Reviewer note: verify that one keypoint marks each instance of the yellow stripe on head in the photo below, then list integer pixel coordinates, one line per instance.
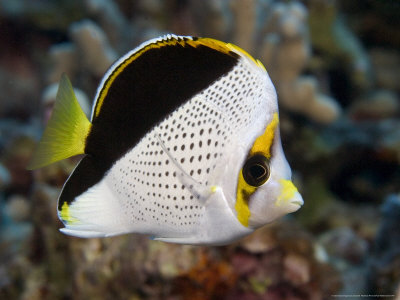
(244, 191)
(264, 142)
(262, 145)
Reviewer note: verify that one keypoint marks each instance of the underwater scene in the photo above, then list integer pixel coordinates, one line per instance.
(335, 65)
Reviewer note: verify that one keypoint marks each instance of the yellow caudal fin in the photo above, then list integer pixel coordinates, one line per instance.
(66, 130)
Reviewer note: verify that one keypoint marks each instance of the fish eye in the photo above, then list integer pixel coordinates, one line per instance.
(256, 170)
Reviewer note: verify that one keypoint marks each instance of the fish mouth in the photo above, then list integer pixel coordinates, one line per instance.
(297, 200)
(298, 203)
(289, 195)
(295, 203)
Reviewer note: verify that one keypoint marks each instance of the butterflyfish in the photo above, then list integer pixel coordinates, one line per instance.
(183, 145)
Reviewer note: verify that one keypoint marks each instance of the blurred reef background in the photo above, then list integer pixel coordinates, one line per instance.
(336, 68)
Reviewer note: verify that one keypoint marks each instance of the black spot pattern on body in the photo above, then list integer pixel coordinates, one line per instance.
(196, 136)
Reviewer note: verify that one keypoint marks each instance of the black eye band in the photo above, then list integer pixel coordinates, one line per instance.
(256, 170)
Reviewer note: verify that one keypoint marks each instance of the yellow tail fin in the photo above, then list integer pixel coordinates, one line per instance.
(66, 130)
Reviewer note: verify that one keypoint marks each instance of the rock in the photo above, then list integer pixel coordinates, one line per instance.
(380, 104)
(18, 208)
(383, 273)
(297, 269)
(19, 85)
(386, 63)
(343, 243)
(5, 177)
(15, 160)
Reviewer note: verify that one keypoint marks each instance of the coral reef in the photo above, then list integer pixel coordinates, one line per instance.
(337, 83)
(95, 54)
(385, 260)
(285, 51)
(89, 50)
(387, 68)
(332, 37)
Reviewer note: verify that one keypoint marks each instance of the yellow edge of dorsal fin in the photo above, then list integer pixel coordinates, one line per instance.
(226, 48)
(66, 131)
(168, 40)
(212, 43)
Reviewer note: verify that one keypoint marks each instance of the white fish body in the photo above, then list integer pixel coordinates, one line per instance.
(182, 181)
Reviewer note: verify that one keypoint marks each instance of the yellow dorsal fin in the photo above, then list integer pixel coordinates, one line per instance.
(66, 130)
